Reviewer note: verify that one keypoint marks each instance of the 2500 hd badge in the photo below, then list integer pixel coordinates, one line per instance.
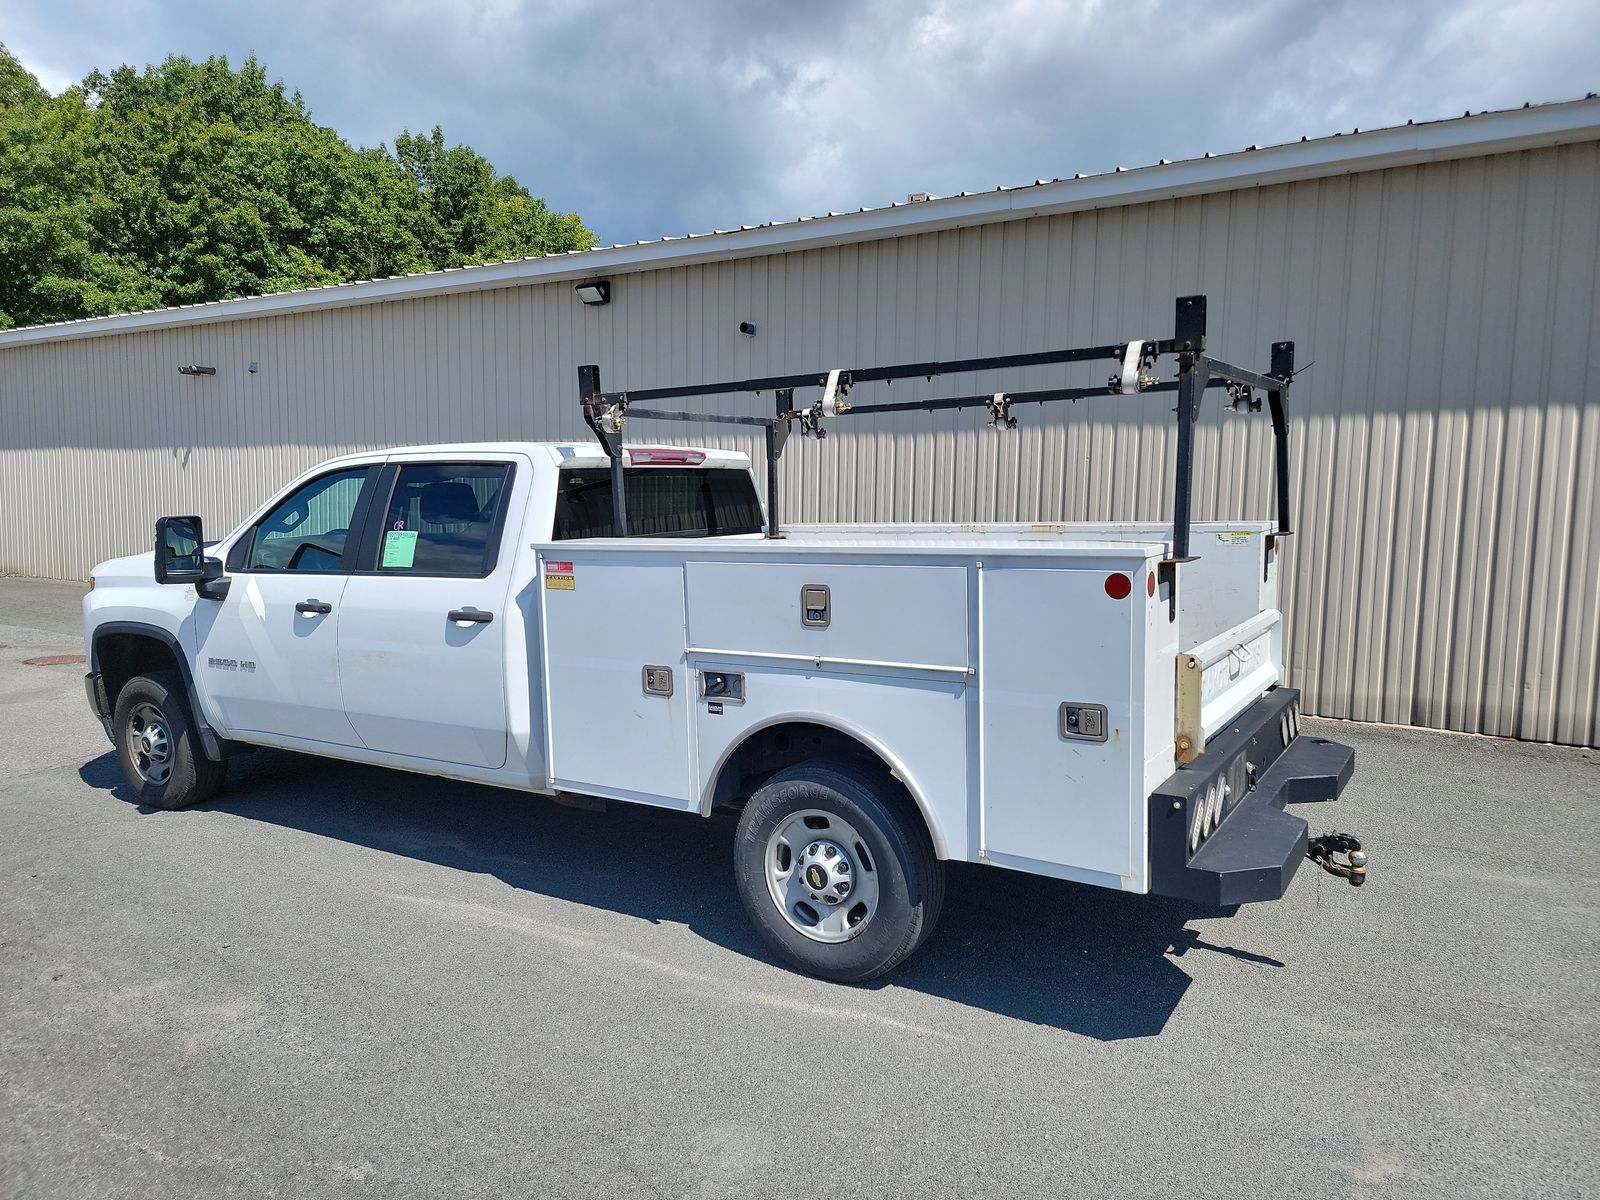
(231, 664)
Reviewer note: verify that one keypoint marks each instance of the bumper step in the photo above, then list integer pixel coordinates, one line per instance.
(1253, 856)
(1256, 849)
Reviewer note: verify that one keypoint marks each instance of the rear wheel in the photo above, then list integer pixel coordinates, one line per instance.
(836, 871)
(157, 745)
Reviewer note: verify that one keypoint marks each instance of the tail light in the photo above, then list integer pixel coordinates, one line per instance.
(662, 456)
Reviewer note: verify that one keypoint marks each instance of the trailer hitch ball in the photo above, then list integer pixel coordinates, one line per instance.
(1358, 867)
(1325, 851)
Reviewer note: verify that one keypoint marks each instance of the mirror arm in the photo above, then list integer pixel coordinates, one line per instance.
(212, 584)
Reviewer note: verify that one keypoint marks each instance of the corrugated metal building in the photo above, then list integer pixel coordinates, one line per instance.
(1442, 278)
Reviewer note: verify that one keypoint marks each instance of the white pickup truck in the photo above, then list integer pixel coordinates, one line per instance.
(875, 699)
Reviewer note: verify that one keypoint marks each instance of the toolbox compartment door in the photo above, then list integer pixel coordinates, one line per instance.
(867, 614)
(617, 696)
(1060, 801)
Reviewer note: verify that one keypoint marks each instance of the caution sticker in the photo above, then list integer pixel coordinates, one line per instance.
(1233, 537)
(559, 577)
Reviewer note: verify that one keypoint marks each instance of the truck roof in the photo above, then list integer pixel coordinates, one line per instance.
(562, 454)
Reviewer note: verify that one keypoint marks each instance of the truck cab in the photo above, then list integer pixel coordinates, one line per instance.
(332, 596)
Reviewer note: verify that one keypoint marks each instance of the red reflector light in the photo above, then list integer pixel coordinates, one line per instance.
(1150, 585)
(1118, 585)
(661, 456)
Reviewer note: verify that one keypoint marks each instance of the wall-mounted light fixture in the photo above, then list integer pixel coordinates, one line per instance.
(196, 369)
(597, 292)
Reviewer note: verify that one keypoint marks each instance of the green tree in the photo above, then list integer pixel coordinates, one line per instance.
(471, 213)
(17, 83)
(193, 181)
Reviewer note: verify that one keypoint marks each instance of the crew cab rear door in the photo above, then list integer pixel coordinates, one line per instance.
(422, 623)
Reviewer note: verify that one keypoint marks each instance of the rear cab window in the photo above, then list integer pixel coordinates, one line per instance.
(679, 502)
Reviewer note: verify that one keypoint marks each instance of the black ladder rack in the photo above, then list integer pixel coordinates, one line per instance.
(606, 413)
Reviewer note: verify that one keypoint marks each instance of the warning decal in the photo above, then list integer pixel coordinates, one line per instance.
(1233, 537)
(559, 577)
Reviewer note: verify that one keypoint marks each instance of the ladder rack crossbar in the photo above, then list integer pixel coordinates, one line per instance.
(926, 370)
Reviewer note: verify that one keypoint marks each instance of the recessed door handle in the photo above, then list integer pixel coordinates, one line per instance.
(476, 615)
(313, 606)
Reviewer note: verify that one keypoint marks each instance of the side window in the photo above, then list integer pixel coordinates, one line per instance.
(307, 531)
(443, 519)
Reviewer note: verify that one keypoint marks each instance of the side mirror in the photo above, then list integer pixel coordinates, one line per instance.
(180, 550)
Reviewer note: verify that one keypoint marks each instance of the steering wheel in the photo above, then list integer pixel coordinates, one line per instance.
(294, 559)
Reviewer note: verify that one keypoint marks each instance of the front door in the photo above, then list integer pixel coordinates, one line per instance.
(266, 655)
(422, 642)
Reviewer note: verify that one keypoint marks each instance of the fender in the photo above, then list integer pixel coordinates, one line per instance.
(215, 747)
(941, 846)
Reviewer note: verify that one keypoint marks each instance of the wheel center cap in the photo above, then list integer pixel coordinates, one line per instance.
(826, 872)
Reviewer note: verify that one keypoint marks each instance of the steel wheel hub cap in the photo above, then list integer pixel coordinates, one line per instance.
(821, 876)
(825, 870)
(150, 744)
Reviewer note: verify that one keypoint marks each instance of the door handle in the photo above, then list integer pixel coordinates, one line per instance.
(476, 615)
(313, 606)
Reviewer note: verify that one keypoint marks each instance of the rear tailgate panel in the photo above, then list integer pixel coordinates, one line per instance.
(1220, 678)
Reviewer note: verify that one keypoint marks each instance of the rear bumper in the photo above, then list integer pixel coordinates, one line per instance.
(1255, 847)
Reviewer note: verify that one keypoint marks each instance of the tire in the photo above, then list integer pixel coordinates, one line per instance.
(894, 889)
(162, 759)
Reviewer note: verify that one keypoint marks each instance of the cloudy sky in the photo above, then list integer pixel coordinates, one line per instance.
(655, 117)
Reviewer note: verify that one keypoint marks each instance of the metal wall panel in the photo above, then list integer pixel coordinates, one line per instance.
(1445, 571)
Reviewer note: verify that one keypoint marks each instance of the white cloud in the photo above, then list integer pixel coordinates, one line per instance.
(675, 117)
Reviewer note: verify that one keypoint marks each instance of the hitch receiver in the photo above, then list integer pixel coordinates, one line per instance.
(1324, 851)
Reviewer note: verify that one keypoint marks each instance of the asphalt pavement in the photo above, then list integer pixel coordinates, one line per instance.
(337, 980)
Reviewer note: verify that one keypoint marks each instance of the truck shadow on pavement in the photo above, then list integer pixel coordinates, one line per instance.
(1077, 958)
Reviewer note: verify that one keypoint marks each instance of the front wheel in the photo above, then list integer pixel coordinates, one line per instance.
(836, 871)
(160, 752)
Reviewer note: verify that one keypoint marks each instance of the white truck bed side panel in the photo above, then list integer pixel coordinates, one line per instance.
(918, 725)
(1221, 587)
(891, 667)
